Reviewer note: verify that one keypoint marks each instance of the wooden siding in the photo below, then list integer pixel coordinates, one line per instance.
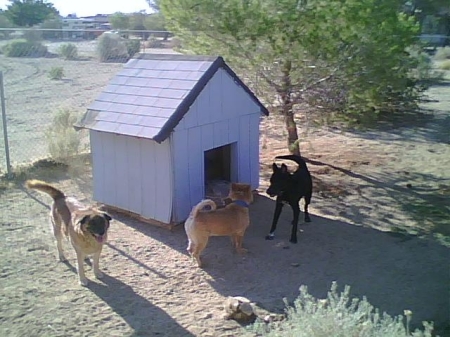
(133, 174)
(222, 114)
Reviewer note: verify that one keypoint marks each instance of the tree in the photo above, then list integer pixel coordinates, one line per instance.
(155, 5)
(119, 21)
(349, 55)
(27, 13)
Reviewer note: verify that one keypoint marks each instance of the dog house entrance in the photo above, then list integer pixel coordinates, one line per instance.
(219, 168)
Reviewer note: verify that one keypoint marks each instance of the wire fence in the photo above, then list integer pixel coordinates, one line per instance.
(46, 72)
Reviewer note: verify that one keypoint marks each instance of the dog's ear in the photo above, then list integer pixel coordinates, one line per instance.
(274, 167)
(107, 216)
(284, 168)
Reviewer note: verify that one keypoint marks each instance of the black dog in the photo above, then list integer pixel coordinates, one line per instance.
(290, 188)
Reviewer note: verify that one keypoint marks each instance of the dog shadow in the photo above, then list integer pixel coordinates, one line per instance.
(137, 311)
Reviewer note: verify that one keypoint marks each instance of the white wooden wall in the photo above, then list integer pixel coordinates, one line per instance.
(222, 114)
(132, 174)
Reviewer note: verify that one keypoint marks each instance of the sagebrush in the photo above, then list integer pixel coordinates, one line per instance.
(56, 73)
(24, 48)
(68, 51)
(111, 47)
(442, 54)
(63, 141)
(339, 316)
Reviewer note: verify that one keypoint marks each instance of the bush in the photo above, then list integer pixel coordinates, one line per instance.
(442, 54)
(63, 141)
(133, 46)
(445, 65)
(23, 48)
(111, 47)
(338, 315)
(153, 42)
(69, 51)
(56, 73)
(33, 35)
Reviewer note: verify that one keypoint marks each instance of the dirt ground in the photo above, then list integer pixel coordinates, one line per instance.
(380, 218)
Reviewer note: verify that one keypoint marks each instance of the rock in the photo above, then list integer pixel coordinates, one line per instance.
(238, 308)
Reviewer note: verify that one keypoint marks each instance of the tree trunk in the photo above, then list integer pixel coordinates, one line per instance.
(286, 108)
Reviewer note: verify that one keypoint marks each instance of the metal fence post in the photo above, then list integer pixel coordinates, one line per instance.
(5, 130)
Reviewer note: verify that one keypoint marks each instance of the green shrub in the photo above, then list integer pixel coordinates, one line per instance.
(442, 54)
(56, 73)
(133, 46)
(33, 35)
(153, 42)
(69, 51)
(337, 315)
(63, 141)
(23, 48)
(445, 65)
(111, 47)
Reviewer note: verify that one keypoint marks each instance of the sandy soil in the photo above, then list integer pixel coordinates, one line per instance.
(361, 214)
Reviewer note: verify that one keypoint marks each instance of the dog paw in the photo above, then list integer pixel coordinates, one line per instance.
(293, 240)
(83, 282)
(242, 250)
(270, 237)
(307, 219)
(98, 274)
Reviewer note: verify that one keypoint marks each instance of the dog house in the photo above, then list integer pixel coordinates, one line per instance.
(164, 126)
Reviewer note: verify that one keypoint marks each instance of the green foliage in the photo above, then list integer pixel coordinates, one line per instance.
(119, 21)
(63, 141)
(442, 54)
(69, 51)
(155, 22)
(32, 35)
(133, 46)
(27, 13)
(153, 42)
(154, 4)
(111, 47)
(341, 57)
(55, 24)
(56, 73)
(337, 315)
(23, 48)
(445, 65)
(5, 23)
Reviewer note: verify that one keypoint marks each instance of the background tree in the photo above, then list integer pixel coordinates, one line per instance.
(119, 21)
(27, 13)
(347, 57)
(155, 5)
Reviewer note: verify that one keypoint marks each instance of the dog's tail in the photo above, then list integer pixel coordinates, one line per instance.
(297, 159)
(46, 188)
(202, 204)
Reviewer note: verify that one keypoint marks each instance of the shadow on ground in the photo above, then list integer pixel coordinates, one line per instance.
(395, 272)
(137, 311)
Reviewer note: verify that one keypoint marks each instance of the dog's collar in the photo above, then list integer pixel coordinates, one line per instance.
(241, 203)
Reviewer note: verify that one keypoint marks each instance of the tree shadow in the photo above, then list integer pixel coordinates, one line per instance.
(422, 196)
(395, 272)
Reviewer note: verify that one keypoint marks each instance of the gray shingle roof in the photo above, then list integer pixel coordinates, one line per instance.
(151, 94)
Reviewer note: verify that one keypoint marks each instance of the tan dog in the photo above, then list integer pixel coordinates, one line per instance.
(232, 220)
(85, 227)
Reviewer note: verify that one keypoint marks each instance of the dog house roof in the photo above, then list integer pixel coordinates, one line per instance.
(152, 93)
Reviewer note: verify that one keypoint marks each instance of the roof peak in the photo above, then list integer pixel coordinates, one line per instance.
(174, 57)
